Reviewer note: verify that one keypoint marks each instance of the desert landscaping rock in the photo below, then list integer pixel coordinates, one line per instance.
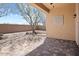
(18, 44)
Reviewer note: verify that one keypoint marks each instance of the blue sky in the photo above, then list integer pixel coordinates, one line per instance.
(13, 16)
(13, 19)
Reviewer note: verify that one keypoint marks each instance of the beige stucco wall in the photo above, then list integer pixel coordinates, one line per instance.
(77, 12)
(77, 24)
(67, 30)
(7, 28)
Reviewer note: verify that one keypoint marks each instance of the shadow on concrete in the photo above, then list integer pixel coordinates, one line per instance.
(56, 47)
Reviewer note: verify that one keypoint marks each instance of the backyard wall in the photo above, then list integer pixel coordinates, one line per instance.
(8, 28)
(65, 31)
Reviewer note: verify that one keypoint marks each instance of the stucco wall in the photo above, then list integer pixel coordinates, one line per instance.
(77, 24)
(6, 28)
(67, 30)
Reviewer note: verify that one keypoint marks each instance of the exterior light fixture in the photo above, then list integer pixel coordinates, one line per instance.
(52, 4)
(75, 15)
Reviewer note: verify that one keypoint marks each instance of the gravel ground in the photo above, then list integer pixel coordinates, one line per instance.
(20, 44)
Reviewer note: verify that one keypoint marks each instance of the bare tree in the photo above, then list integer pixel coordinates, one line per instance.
(3, 12)
(31, 15)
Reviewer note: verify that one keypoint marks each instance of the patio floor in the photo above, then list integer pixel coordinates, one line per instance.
(56, 47)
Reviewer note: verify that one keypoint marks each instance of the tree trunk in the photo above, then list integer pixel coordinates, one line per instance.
(33, 30)
(1, 36)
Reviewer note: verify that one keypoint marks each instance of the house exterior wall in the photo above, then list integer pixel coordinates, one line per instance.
(67, 30)
(77, 24)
